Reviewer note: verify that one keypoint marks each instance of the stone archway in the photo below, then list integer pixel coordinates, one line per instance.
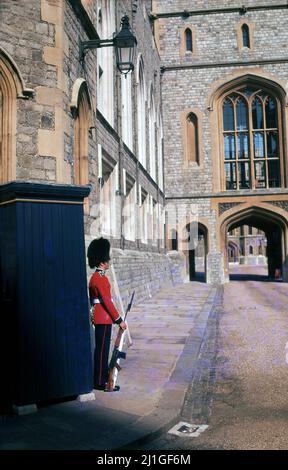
(233, 252)
(275, 227)
(196, 251)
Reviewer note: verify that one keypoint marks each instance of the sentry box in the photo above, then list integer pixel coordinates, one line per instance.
(45, 350)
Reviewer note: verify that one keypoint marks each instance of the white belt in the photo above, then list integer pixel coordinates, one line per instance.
(98, 301)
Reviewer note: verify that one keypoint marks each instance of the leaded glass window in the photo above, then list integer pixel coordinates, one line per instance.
(251, 140)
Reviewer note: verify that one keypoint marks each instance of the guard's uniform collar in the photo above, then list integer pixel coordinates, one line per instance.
(100, 271)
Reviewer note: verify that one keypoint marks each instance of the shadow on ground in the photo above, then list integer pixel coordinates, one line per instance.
(252, 277)
(199, 277)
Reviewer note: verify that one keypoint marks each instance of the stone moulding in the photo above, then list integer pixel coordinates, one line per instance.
(79, 87)
(153, 15)
(15, 75)
(225, 206)
(281, 204)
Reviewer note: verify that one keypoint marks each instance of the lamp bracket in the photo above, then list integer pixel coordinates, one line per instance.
(94, 44)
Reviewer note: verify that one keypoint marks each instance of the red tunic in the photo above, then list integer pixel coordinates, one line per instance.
(105, 312)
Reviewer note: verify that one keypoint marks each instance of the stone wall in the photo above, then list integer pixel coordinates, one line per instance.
(46, 51)
(146, 273)
(26, 46)
(189, 81)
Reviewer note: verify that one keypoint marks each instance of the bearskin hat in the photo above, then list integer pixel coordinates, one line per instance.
(98, 252)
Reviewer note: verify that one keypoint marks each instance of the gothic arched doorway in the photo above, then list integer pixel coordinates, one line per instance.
(272, 224)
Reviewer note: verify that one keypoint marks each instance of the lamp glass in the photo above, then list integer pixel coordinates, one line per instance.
(125, 43)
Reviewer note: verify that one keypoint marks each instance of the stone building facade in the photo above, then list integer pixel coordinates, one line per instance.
(76, 120)
(165, 173)
(224, 91)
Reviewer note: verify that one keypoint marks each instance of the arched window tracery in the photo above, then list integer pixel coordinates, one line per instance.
(251, 139)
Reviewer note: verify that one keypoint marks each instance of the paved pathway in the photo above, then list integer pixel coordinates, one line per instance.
(244, 376)
(159, 331)
(167, 332)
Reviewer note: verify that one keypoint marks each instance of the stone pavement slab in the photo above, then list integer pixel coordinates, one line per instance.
(154, 380)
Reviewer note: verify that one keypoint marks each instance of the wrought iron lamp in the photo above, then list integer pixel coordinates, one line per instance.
(124, 42)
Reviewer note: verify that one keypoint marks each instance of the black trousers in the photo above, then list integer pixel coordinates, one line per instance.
(101, 354)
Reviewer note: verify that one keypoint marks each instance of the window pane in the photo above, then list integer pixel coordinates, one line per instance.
(273, 174)
(242, 142)
(244, 175)
(245, 35)
(259, 145)
(241, 115)
(192, 138)
(271, 113)
(260, 175)
(257, 114)
(230, 172)
(237, 124)
(229, 147)
(228, 116)
(272, 145)
(188, 36)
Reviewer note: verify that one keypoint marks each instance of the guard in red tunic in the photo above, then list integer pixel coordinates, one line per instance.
(104, 311)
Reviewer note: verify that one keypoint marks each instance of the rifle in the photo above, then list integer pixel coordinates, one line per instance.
(114, 366)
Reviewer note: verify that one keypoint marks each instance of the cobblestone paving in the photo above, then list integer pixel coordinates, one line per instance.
(240, 389)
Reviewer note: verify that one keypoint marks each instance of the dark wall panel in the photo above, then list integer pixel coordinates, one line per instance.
(8, 304)
(45, 331)
(54, 322)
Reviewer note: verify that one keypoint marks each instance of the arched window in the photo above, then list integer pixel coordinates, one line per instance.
(105, 76)
(81, 142)
(126, 114)
(81, 110)
(245, 35)
(188, 40)
(9, 90)
(192, 138)
(152, 146)
(12, 87)
(251, 139)
(250, 250)
(141, 113)
(160, 150)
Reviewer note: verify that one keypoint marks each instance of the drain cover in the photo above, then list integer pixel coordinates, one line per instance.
(183, 429)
